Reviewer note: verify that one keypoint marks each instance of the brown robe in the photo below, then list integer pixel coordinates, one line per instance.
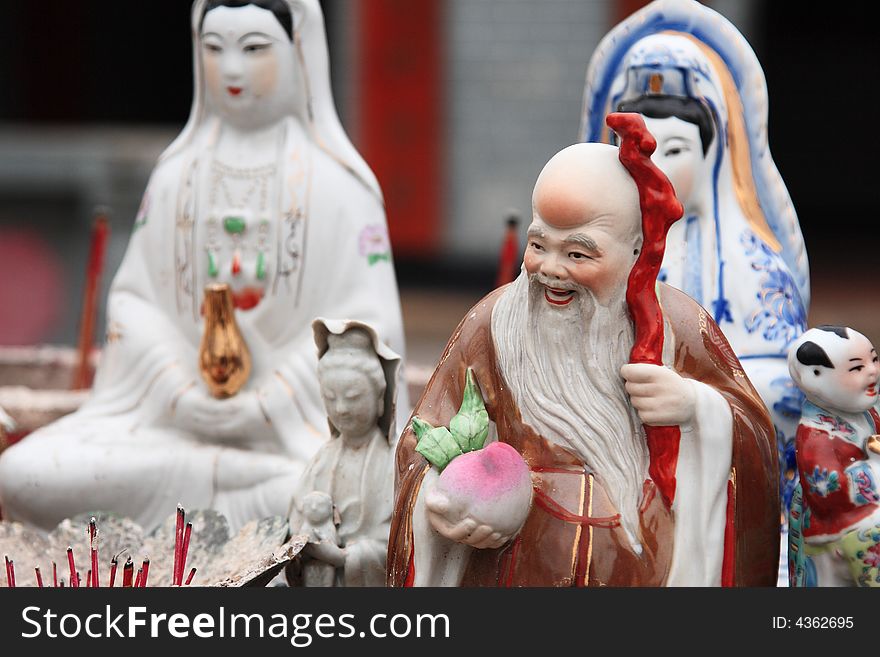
(565, 541)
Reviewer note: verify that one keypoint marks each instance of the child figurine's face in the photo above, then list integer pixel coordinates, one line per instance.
(850, 384)
(854, 379)
(351, 400)
(317, 507)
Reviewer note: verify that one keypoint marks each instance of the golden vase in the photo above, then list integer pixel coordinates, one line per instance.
(224, 359)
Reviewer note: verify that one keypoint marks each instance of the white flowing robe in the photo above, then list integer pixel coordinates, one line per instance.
(122, 451)
(365, 523)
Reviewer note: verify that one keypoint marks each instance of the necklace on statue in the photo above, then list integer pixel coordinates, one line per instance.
(244, 194)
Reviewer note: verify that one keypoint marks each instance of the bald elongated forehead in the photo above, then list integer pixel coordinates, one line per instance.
(582, 182)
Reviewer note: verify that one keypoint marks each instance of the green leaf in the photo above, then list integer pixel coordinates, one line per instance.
(470, 426)
(438, 446)
(467, 431)
(420, 427)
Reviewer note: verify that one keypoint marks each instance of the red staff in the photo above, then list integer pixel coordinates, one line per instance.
(660, 209)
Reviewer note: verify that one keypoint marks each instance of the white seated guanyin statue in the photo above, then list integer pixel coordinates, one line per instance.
(262, 191)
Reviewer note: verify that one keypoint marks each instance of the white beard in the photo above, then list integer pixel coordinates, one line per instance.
(562, 365)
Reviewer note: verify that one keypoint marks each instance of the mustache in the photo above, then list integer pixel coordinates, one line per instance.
(539, 278)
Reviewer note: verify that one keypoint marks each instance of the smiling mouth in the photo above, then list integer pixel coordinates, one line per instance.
(557, 296)
(872, 390)
(233, 91)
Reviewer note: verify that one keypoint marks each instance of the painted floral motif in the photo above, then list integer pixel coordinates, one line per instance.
(374, 244)
(801, 569)
(143, 212)
(789, 400)
(837, 424)
(872, 556)
(864, 545)
(781, 315)
(796, 553)
(862, 489)
(788, 473)
(822, 482)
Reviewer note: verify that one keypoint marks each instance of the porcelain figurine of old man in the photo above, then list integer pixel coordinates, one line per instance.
(261, 191)
(835, 515)
(549, 354)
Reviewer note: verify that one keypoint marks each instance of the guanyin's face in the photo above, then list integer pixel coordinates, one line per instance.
(353, 404)
(248, 65)
(679, 155)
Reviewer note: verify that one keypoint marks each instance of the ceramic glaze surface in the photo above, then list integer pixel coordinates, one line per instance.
(263, 192)
(738, 250)
(835, 518)
(343, 500)
(549, 355)
(496, 479)
(319, 525)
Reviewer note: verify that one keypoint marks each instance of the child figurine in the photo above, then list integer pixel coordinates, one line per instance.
(835, 539)
(320, 528)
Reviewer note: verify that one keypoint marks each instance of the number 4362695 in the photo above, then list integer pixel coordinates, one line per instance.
(824, 622)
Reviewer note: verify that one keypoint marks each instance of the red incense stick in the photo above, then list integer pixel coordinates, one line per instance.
(192, 574)
(10, 573)
(146, 570)
(113, 564)
(39, 577)
(509, 257)
(185, 551)
(74, 578)
(100, 232)
(95, 578)
(177, 573)
(127, 573)
(93, 533)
